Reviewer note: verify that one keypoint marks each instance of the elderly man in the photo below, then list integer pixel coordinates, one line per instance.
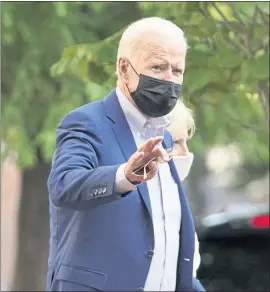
(113, 227)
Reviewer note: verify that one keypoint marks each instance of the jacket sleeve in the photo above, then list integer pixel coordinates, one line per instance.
(76, 181)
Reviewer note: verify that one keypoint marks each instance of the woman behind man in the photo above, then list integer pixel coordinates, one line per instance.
(182, 128)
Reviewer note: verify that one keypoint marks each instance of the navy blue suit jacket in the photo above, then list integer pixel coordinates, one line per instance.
(99, 239)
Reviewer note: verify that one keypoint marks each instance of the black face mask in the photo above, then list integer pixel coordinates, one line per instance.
(155, 97)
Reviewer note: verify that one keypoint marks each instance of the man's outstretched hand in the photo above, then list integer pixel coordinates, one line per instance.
(148, 151)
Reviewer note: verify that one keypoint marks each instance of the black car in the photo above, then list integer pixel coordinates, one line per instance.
(232, 222)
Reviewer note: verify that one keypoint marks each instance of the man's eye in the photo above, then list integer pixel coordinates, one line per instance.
(178, 71)
(157, 67)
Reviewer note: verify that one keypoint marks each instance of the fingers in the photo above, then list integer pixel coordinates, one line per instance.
(133, 160)
(161, 152)
(145, 174)
(153, 169)
(149, 145)
(145, 165)
(144, 156)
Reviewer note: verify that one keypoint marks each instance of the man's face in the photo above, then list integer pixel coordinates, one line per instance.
(161, 57)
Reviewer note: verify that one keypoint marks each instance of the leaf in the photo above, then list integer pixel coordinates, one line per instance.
(95, 91)
(260, 67)
(246, 73)
(264, 6)
(60, 67)
(78, 42)
(99, 6)
(7, 20)
(70, 51)
(46, 140)
(256, 69)
(196, 19)
(79, 67)
(224, 9)
(246, 10)
(106, 54)
(198, 78)
(197, 57)
(26, 156)
(228, 59)
(61, 8)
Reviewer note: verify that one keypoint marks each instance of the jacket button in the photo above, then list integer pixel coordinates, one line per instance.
(150, 253)
(140, 289)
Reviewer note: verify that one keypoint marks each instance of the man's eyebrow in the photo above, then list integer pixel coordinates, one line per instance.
(158, 61)
(164, 61)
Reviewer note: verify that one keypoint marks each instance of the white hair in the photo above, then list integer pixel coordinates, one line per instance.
(181, 115)
(130, 40)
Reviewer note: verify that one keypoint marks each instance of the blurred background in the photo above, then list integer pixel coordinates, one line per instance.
(59, 55)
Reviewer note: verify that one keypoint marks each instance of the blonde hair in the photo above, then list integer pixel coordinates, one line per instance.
(130, 41)
(181, 115)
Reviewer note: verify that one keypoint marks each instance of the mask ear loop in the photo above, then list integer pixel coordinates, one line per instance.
(134, 71)
(133, 68)
(159, 160)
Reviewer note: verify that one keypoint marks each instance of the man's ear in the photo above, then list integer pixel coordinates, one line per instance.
(123, 69)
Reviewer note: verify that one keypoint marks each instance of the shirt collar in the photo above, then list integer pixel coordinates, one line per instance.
(136, 118)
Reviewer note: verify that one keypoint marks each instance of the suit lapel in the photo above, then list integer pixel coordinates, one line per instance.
(124, 137)
(187, 224)
(187, 236)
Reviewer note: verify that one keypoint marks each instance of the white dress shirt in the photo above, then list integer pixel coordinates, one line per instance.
(164, 199)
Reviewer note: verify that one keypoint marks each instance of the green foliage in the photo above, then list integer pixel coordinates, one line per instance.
(34, 34)
(226, 81)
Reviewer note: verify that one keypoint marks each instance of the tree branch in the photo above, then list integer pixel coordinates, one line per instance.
(230, 28)
(206, 14)
(227, 24)
(236, 14)
(233, 43)
(263, 46)
(264, 19)
(210, 45)
(204, 11)
(253, 22)
(264, 103)
(232, 118)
